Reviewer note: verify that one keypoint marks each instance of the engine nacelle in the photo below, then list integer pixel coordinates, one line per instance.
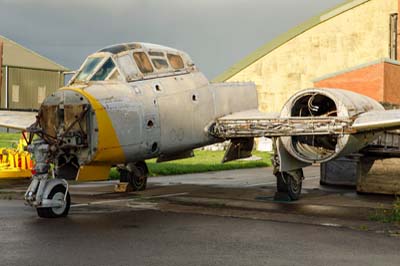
(327, 103)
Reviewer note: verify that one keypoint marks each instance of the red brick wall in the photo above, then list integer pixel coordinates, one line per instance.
(368, 81)
(392, 84)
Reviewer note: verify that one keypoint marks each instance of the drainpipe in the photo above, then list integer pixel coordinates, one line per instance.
(6, 90)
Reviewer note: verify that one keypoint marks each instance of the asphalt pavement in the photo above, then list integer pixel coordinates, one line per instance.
(104, 236)
(216, 218)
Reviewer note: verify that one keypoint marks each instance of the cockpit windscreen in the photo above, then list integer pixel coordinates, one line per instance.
(105, 70)
(88, 68)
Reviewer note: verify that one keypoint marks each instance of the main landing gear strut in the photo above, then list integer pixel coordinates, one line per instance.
(288, 183)
(135, 174)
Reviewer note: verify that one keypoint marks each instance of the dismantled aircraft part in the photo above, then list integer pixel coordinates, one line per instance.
(377, 120)
(239, 149)
(64, 122)
(253, 123)
(56, 204)
(17, 120)
(315, 125)
(286, 161)
(327, 103)
(171, 157)
(135, 174)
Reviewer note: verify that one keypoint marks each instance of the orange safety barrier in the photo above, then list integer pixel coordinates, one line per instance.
(15, 163)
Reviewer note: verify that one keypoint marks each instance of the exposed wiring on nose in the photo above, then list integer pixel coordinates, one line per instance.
(312, 107)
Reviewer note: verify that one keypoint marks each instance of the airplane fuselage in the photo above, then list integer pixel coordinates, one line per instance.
(163, 115)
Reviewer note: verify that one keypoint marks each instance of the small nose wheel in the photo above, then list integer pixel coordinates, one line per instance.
(56, 194)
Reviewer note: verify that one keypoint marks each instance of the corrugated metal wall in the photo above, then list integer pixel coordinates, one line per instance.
(29, 87)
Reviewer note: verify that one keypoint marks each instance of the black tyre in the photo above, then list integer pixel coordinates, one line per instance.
(58, 192)
(294, 188)
(281, 185)
(286, 183)
(137, 178)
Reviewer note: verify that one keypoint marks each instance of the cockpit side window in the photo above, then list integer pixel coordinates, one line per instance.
(88, 68)
(160, 63)
(175, 61)
(105, 70)
(156, 53)
(143, 62)
(128, 66)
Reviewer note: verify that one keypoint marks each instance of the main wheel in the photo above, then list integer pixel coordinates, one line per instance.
(286, 183)
(57, 193)
(137, 178)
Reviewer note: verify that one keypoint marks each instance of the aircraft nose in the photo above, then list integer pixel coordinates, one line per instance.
(63, 111)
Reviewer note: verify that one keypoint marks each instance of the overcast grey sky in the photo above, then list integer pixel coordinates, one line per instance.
(216, 33)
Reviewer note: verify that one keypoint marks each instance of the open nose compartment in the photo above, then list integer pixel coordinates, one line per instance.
(314, 148)
(64, 122)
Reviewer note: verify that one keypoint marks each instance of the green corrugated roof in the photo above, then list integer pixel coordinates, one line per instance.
(16, 55)
(284, 38)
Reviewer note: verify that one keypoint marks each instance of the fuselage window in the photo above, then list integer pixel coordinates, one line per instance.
(143, 62)
(88, 68)
(128, 66)
(160, 63)
(105, 70)
(175, 61)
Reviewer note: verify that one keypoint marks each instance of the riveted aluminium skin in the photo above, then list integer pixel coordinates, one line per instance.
(163, 114)
(178, 121)
(108, 148)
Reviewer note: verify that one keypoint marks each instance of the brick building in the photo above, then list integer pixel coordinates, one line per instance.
(353, 46)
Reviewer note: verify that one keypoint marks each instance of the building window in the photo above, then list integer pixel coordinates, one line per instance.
(393, 36)
(15, 94)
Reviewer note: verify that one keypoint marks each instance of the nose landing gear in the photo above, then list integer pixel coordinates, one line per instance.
(60, 201)
(49, 195)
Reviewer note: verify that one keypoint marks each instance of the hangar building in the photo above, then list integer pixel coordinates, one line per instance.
(27, 77)
(352, 46)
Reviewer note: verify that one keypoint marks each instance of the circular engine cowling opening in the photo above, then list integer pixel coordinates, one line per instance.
(320, 103)
(314, 148)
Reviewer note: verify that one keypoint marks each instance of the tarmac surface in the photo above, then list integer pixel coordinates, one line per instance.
(216, 218)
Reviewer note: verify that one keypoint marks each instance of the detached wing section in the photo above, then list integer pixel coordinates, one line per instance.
(377, 121)
(17, 120)
(254, 123)
(257, 124)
